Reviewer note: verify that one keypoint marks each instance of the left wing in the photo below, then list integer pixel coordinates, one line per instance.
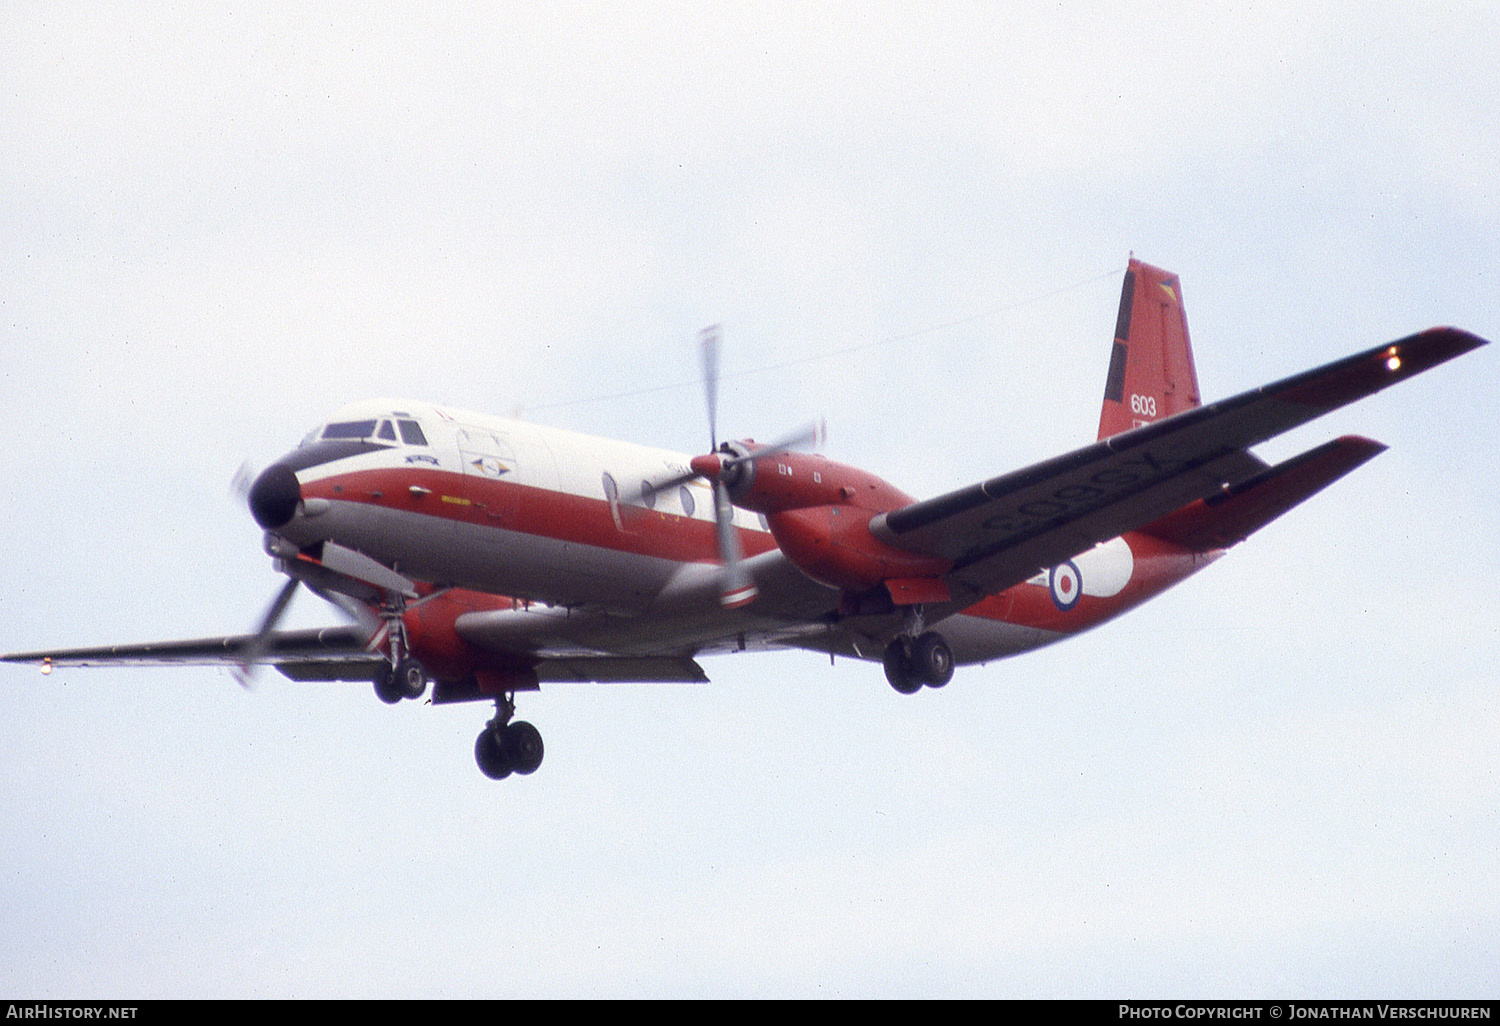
(1002, 531)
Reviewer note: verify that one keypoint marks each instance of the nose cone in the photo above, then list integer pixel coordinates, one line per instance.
(274, 496)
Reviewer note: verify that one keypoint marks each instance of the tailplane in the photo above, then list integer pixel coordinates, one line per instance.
(1151, 374)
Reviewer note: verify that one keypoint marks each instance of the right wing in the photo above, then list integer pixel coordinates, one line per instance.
(331, 645)
(342, 654)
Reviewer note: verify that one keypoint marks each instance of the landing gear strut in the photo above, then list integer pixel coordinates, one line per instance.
(913, 662)
(404, 676)
(505, 746)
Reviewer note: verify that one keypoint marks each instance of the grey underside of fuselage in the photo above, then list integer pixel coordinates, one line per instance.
(589, 599)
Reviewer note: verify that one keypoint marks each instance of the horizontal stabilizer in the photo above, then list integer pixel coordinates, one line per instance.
(1225, 520)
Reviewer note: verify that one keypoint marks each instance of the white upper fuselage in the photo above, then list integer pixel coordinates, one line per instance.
(515, 499)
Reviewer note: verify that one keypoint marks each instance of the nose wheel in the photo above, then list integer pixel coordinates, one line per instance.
(407, 679)
(507, 746)
(911, 663)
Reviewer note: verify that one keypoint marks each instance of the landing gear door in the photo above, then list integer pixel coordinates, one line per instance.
(490, 470)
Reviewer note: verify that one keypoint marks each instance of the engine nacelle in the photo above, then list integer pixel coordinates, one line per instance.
(430, 632)
(799, 480)
(819, 512)
(833, 545)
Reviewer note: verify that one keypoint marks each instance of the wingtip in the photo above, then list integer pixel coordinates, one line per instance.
(1360, 444)
(1446, 341)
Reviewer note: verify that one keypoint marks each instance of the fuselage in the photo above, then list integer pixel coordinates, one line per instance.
(560, 523)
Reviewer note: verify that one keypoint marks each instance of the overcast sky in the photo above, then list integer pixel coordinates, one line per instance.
(218, 224)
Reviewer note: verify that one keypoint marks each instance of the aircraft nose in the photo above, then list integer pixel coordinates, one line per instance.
(274, 496)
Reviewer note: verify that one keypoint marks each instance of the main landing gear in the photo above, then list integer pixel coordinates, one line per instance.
(505, 746)
(502, 748)
(913, 662)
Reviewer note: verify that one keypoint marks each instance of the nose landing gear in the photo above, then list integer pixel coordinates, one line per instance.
(407, 679)
(404, 676)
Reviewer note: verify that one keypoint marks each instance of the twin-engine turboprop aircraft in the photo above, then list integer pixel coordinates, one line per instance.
(488, 557)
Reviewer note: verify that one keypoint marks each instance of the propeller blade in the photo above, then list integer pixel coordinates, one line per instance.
(737, 587)
(367, 619)
(239, 485)
(708, 347)
(708, 352)
(251, 654)
(636, 496)
(809, 436)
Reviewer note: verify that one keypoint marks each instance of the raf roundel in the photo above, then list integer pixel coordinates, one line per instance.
(1066, 584)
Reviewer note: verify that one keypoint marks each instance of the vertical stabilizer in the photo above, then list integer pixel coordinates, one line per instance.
(1151, 373)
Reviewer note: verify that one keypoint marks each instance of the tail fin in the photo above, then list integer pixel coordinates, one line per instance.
(1151, 373)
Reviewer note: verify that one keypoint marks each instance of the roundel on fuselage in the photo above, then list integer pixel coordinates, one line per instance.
(1066, 585)
(1100, 572)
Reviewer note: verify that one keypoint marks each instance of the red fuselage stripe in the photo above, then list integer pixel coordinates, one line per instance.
(472, 499)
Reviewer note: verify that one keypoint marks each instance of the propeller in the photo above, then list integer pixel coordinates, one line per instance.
(250, 489)
(722, 467)
(260, 643)
(708, 353)
(240, 484)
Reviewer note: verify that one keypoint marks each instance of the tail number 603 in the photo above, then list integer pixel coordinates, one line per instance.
(1145, 405)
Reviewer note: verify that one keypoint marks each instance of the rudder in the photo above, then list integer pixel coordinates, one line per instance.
(1151, 373)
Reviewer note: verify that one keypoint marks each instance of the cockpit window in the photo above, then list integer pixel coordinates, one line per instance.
(385, 430)
(350, 429)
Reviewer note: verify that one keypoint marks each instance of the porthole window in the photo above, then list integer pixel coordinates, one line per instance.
(648, 495)
(685, 495)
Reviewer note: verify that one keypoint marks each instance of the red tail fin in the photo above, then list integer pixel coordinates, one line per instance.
(1151, 373)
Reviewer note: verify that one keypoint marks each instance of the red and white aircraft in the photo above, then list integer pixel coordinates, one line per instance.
(490, 556)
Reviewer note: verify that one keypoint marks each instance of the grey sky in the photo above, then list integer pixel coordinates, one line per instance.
(218, 225)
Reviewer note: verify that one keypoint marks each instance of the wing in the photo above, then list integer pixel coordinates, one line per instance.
(345, 644)
(342, 654)
(1002, 531)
